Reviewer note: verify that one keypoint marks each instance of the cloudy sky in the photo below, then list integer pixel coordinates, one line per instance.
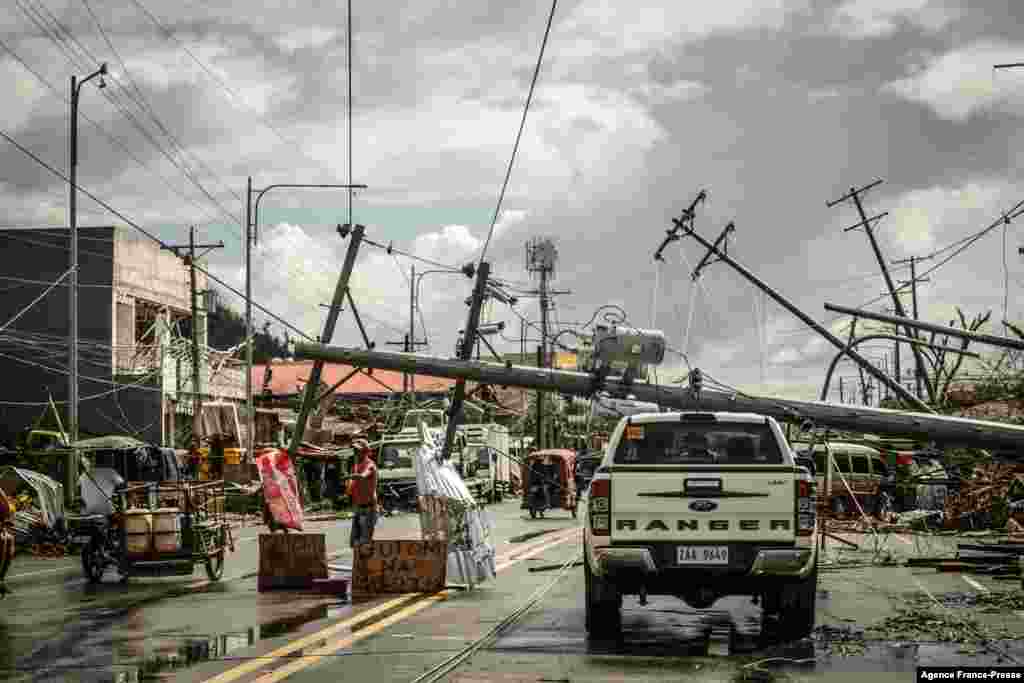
(773, 106)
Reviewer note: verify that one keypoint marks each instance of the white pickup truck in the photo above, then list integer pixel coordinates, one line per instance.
(700, 506)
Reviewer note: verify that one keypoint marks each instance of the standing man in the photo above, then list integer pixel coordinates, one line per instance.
(364, 495)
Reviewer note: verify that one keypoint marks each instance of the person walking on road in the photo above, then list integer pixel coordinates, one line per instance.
(364, 495)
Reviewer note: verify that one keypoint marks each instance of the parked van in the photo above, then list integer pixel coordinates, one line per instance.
(867, 471)
(863, 467)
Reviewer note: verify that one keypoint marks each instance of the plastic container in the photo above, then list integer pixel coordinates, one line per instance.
(167, 530)
(232, 456)
(138, 527)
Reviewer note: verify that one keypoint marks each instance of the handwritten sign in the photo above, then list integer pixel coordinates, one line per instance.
(399, 567)
(291, 560)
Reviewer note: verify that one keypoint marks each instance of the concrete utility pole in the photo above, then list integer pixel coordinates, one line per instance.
(197, 389)
(483, 271)
(948, 431)
(865, 223)
(310, 396)
(903, 394)
(992, 339)
(405, 348)
(71, 477)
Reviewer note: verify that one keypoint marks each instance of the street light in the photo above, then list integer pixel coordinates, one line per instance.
(72, 468)
(252, 222)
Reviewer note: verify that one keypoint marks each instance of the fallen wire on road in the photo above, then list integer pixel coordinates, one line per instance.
(442, 670)
(552, 567)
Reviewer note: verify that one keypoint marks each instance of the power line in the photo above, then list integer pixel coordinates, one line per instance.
(519, 135)
(64, 45)
(233, 97)
(108, 207)
(112, 138)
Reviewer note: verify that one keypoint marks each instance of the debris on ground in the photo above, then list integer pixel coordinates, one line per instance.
(984, 500)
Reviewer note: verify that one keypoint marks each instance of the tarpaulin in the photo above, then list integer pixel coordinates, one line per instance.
(471, 554)
(280, 487)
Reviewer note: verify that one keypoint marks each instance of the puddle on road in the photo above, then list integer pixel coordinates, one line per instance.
(740, 642)
(87, 649)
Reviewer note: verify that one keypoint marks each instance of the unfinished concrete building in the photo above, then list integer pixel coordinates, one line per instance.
(135, 361)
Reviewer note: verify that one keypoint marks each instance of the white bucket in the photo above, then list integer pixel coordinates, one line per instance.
(138, 526)
(167, 530)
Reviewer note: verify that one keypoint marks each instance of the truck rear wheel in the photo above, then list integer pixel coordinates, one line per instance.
(795, 603)
(604, 606)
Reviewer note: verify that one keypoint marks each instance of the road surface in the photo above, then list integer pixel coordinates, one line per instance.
(55, 627)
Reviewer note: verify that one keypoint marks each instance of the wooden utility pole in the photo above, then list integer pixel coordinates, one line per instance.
(190, 261)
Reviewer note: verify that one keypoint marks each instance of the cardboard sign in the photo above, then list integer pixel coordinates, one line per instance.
(291, 561)
(399, 567)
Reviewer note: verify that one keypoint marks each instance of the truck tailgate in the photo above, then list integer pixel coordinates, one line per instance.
(692, 503)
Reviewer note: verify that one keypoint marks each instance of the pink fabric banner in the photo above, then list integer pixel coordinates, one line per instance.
(280, 487)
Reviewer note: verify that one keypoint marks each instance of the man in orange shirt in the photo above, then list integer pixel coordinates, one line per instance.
(364, 495)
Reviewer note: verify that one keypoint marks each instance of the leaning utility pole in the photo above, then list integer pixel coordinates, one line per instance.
(903, 394)
(465, 354)
(341, 291)
(865, 223)
(197, 390)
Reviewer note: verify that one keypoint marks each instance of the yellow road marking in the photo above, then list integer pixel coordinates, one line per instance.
(330, 648)
(243, 669)
(406, 612)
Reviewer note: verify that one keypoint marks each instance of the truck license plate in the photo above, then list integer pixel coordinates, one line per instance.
(702, 554)
(81, 540)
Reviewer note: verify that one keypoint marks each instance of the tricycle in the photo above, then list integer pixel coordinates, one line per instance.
(548, 481)
(158, 528)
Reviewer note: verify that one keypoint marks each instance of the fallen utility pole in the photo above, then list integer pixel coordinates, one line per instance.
(190, 261)
(466, 353)
(309, 398)
(905, 395)
(981, 338)
(865, 223)
(948, 431)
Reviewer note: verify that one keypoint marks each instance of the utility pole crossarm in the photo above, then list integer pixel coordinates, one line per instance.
(724, 235)
(673, 233)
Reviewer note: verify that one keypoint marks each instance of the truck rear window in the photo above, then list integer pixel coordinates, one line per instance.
(670, 443)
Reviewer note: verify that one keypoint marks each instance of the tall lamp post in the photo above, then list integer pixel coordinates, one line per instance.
(252, 221)
(72, 465)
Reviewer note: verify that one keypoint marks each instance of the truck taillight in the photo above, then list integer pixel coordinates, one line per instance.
(600, 506)
(806, 512)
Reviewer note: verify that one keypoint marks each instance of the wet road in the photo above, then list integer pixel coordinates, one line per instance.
(55, 627)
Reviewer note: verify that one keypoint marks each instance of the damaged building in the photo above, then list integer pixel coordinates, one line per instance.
(135, 361)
